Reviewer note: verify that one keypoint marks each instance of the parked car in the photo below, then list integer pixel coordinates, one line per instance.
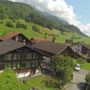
(77, 67)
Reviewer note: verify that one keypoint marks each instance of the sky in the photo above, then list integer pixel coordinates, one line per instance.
(82, 9)
(76, 12)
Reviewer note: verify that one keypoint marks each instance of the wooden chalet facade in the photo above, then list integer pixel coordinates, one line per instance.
(18, 56)
(81, 49)
(24, 56)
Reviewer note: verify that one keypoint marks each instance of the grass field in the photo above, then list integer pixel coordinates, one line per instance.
(45, 32)
(85, 66)
(39, 82)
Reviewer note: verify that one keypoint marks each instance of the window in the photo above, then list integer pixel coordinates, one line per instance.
(23, 56)
(28, 56)
(33, 64)
(17, 38)
(78, 49)
(23, 65)
(20, 38)
(19, 56)
(15, 56)
(34, 55)
(37, 55)
(28, 64)
(7, 57)
(2, 57)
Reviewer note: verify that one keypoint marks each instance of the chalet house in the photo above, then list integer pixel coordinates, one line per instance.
(22, 58)
(15, 36)
(80, 49)
(88, 51)
(50, 49)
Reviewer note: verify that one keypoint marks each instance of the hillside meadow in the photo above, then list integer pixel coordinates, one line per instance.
(43, 32)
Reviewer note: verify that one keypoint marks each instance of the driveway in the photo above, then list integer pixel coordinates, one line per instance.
(78, 81)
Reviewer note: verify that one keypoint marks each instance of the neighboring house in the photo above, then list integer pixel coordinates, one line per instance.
(49, 49)
(80, 49)
(22, 58)
(15, 36)
(88, 50)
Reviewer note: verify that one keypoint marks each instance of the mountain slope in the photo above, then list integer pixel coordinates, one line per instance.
(14, 10)
(22, 18)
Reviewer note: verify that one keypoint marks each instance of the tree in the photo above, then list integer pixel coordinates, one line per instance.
(8, 81)
(88, 81)
(87, 78)
(63, 67)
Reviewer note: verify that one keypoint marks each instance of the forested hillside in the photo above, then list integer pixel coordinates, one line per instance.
(14, 10)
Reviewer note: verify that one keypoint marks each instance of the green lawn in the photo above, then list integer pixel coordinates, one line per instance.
(85, 66)
(39, 82)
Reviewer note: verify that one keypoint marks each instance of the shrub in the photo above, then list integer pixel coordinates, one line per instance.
(36, 28)
(88, 78)
(21, 25)
(9, 24)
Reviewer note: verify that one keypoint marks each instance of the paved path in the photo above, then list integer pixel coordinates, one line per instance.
(78, 80)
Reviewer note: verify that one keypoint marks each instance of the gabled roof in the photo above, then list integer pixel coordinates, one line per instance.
(9, 35)
(50, 47)
(9, 45)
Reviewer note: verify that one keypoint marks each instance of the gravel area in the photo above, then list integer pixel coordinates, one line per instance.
(78, 80)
